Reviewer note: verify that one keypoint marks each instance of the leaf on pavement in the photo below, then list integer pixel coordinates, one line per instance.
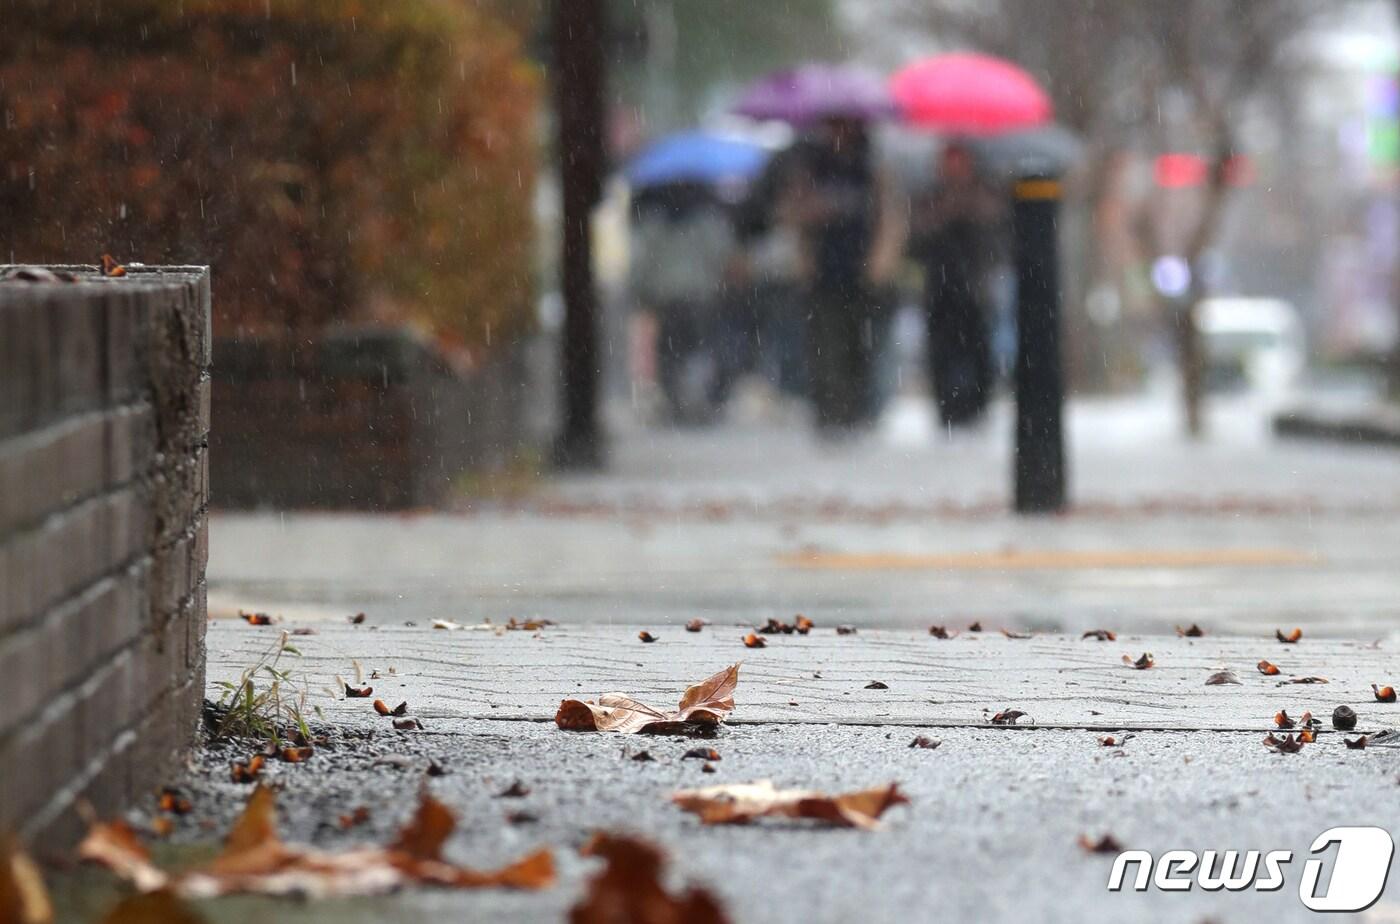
(1289, 639)
(940, 632)
(1282, 720)
(844, 630)
(1383, 694)
(704, 703)
(1344, 718)
(1222, 677)
(646, 636)
(753, 640)
(1009, 634)
(695, 625)
(1302, 680)
(1106, 844)
(1100, 635)
(358, 692)
(383, 709)
(629, 890)
(1007, 717)
(802, 624)
(1141, 664)
(1191, 631)
(737, 803)
(1267, 669)
(776, 627)
(23, 897)
(255, 860)
(1287, 744)
(1356, 744)
(925, 742)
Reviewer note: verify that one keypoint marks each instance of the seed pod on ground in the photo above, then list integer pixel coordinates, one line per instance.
(1343, 718)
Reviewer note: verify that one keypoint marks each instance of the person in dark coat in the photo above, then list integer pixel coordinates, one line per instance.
(954, 238)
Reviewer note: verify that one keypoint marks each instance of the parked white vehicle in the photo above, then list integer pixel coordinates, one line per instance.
(1257, 343)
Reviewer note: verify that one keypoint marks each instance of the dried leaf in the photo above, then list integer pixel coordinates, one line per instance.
(1141, 664)
(1288, 744)
(1302, 680)
(408, 724)
(174, 802)
(1306, 736)
(1383, 694)
(354, 819)
(704, 703)
(256, 861)
(1267, 669)
(1109, 741)
(845, 630)
(975, 627)
(1105, 844)
(707, 768)
(630, 890)
(1009, 634)
(755, 641)
(358, 693)
(737, 803)
(643, 757)
(802, 624)
(1356, 744)
(646, 636)
(247, 771)
(1282, 720)
(111, 267)
(528, 625)
(925, 742)
(516, 790)
(877, 685)
(446, 624)
(695, 625)
(1007, 717)
(1343, 718)
(701, 754)
(23, 897)
(357, 619)
(296, 755)
(383, 709)
(1191, 631)
(1102, 635)
(1289, 639)
(940, 632)
(774, 627)
(1222, 677)
(256, 619)
(303, 630)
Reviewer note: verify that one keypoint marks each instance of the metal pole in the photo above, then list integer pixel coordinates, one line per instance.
(1040, 448)
(578, 77)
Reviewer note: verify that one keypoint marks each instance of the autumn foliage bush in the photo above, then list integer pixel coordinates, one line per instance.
(334, 160)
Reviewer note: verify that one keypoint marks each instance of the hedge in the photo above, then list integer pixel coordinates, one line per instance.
(334, 160)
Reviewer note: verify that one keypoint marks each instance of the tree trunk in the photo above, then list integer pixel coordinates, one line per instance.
(578, 77)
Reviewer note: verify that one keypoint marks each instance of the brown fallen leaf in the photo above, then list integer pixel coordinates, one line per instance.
(646, 636)
(111, 266)
(1343, 718)
(755, 641)
(1142, 663)
(1007, 717)
(174, 802)
(352, 819)
(1109, 741)
(528, 625)
(1306, 736)
(24, 899)
(708, 768)
(303, 630)
(630, 889)
(845, 630)
(162, 826)
(1289, 639)
(256, 861)
(255, 619)
(1222, 677)
(1356, 744)
(358, 692)
(1191, 631)
(1282, 720)
(1302, 680)
(925, 742)
(643, 757)
(737, 803)
(357, 619)
(695, 625)
(774, 627)
(1009, 634)
(701, 754)
(975, 627)
(1101, 635)
(704, 703)
(247, 771)
(296, 755)
(1288, 744)
(940, 632)
(516, 790)
(1383, 694)
(409, 724)
(877, 685)
(1105, 844)
(1267, 669)
(802, 624)
(383, 709)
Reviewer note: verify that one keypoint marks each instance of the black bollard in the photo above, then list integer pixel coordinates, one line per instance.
(1040, 391)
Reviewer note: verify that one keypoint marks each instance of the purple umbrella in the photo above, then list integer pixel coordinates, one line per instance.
(817, 91)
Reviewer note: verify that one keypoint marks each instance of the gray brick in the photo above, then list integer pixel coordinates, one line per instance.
(44, 471)
(131, 442)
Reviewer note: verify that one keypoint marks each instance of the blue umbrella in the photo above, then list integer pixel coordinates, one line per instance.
(695, 157)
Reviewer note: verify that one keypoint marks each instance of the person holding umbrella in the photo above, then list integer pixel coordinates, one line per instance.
(850, 235)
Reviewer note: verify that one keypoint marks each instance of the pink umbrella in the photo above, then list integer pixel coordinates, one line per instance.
(970, 94)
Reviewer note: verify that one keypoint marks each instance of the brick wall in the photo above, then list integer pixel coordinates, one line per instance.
(361, 418)
(104, 417)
